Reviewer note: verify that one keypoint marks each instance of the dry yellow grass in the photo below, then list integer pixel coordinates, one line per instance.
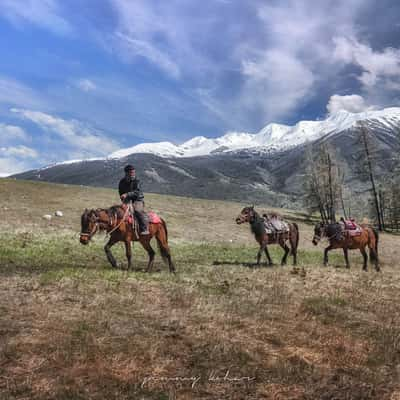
(72, 328)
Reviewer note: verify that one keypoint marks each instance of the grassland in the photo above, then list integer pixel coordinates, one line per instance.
(73, 328)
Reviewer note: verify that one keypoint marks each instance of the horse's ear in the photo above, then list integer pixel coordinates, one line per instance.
(252, 206)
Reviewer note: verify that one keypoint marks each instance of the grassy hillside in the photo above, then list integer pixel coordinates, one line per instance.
(73, 328)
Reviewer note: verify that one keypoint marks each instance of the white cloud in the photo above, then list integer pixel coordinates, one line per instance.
(19, 151)
(13, 165)
(283, 71)
(277, 82)
(135, 47)
(11, 133)
(15, 159)
(351, 103)
(86, 85)
(151, 31)
(170, 35)
(376, 65)
(81, 139)
(16, 93)
(43, 13)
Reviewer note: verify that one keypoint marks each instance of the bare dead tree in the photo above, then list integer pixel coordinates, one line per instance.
(367, 160)
(390, 197)
(322, 182)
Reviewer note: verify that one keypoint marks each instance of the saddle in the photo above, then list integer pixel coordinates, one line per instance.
(153, 218)
(274, 224)
(351, 228)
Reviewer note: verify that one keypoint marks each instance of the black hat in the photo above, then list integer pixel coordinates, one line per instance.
(129, 168)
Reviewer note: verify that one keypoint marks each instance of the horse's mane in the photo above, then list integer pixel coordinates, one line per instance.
(332, 229)
(115, 210)
(257, 226)
(112, 212)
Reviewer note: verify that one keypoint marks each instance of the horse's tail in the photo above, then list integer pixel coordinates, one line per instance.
(164, 224)
(296, 241)
(162, 242)
(373, 255)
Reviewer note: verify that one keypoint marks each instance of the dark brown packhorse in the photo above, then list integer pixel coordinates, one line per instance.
(113, 220)
(257, 226)
(340, 240)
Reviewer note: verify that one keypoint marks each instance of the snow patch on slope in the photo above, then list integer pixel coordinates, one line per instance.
(273, 137)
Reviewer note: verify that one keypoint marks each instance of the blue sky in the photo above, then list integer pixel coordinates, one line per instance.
(82, 78)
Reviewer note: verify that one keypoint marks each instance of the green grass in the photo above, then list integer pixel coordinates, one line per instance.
(54, 253)
(72, 327)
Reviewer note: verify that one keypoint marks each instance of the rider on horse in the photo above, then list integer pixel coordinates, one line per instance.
(131, 193)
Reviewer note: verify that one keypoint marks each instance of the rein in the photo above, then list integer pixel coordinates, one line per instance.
(116, 219)
(323, 236)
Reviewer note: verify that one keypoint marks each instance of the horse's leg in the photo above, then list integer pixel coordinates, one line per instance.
(145, 241)
(267, 255)
(373, 256)
(128, 252)
(293, 245)
(365, 256)
(286, 249)
(373, 252)
(377, 267)
(107, 249)
(330, 247)
(262, 247)
(346, 256)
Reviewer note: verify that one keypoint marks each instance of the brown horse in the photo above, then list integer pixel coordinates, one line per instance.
(368, 237)
(257, 226)
(113, 221)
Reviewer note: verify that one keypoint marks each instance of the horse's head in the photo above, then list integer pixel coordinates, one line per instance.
(246, 215)
(89, 225)
(319, 231)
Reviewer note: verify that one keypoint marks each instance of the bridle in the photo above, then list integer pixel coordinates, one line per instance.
(98, 224)
(323, 235)
(246, 217)
(89, 235)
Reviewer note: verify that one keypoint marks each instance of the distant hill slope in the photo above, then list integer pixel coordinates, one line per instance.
(256, 174)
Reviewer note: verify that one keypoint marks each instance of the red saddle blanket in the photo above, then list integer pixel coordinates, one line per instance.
(153, 218)
(350, 224)
(355, 232)
(352, 228)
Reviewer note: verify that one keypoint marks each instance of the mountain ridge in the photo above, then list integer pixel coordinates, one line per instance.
(250, 174)
(273, 137)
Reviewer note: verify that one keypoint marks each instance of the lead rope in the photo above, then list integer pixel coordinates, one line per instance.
(122, 220)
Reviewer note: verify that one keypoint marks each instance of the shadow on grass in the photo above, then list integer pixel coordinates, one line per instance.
(243, 264)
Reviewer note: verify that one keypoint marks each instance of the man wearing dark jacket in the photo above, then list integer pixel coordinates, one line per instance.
(130, 191)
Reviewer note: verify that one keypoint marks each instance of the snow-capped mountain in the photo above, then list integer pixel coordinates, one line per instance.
(268, 166)
(273, 137)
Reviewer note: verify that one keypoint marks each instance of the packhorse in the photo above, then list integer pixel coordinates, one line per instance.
(264, 238)
(114, 221)
(338, 238)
